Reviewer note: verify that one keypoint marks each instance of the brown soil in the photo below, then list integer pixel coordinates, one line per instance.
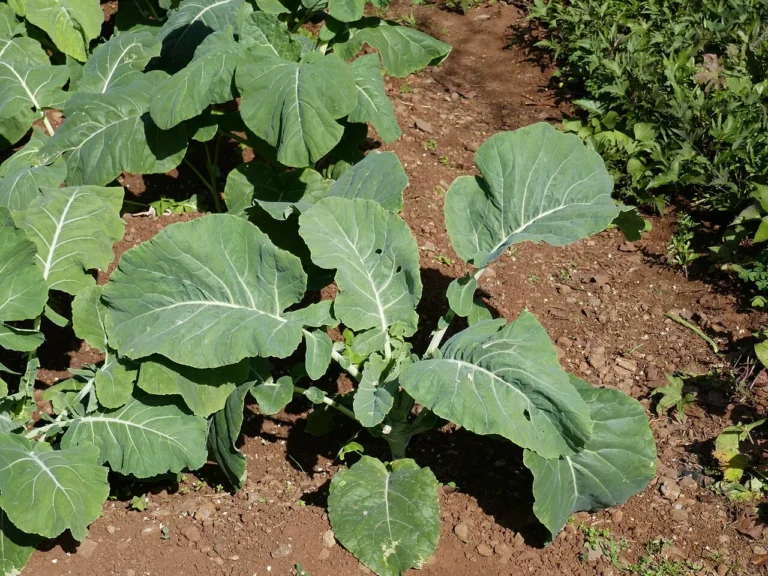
(602, 300)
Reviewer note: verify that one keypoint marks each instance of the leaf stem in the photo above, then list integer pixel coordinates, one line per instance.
(35, 432)
(299, 391)
(47, 124)
(216, 200)
(152, 9)
(438, 335)
(235, 137)
(352, 369)
(690, 326)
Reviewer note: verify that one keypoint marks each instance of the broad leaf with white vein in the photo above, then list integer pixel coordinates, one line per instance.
(376, 261)
(617, 462)
(71, 24)
(538, 184)
(505, 380)
(106, 134)
(373, 104)
(295, 106)
(146, 437)
(387, 515)
(379, 177)
(16, 547)
(118, 62)
(23, 292)
(205, 293)
(30, 86)
(74, 230)
(45, 491)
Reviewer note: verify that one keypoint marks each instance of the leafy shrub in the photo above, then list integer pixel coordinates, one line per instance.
(675, 92)
(189, 320)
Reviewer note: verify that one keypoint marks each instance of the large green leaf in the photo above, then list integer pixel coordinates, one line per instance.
(294, 106)
(24, 87)
(204, 391)
(190, 24)
(114, 380)
(16, 547)
(74, 230)
(379, 177)
(23, 291)
(279, 193)
(404, 50)
(265, 33)
(14, 129)
(20, 339)
(9, 24)
(146, 437)
(118, 62)
(205, 293)
(388, 516)
(206, 80)
(506, 380)
(373, 105)
(71, 24)
(376, 259)
(23, 50)
(223, 434)
(23, 175)
(538, 184)
(617, 462)
(346, 10)
(45, 491)
(106, 134)
(89, 317)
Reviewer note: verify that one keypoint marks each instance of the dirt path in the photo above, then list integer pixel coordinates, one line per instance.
(603, 302)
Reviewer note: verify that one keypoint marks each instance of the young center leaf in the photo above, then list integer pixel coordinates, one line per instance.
(379, 177)
(106, 134)
(23, 291)
(118, 62)
(295, 106)
(506, 380)
(16, 547)
(146, 437)
(204, 81)
(190, 24)
(376, 261)
(374, 397)
(204, 391)
(74, 230)
(222, 297)
(71, 24)
(265, 33)
(538, 184)
(273, 395)
(403, 50)
(279, 193)
(373, 104)
(318, 354)
(25, 174)
(387, 515)
(68, 490)
(619, 460)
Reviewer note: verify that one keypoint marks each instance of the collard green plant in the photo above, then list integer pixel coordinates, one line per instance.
(189, 319)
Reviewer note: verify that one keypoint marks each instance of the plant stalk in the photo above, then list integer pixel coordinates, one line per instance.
(299, 391)
(47, 124)
(216, 199)
(351, 369)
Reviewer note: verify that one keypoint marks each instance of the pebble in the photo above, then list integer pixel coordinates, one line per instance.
(282, 551)
(679, 515)
(471, 146)
(484, 550)
(627, 364)
(424, 126)
(596, 358)
(111, 529)
(130, 573)
(759, 550)
(87, 548)
(669, 489)
(219, 548)
(429, 246)
(329, 539)
(324, 553)
(564, 343)
(191, 533)
(594, 555)
(462, 531)
(617, 516)
(205, 512)
(502, 550)
(219, 561)
(688, 483)
(149, 531)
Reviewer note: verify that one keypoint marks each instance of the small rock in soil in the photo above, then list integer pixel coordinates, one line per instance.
(561, 313)
(462, 531)
(564, 343)
(429, 246)
(679, 516)
(324, 553)
(673, 553)
(617, 516)
(149, 531)
(627, 247)
(669, 489)
(596, 358)
(759, 550)
(600, 279)
(627, 364)
(219, 548)
(489, 273)
(424, 126)
(722, 570)
(652, 374)
(484, 550)
(130, 573)
(329, 539)
(205, 512)
(282, 551)
(502, 550)
(594, 555)
(111, 529)
(87, 548)
(191, 533)
(471, 146)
